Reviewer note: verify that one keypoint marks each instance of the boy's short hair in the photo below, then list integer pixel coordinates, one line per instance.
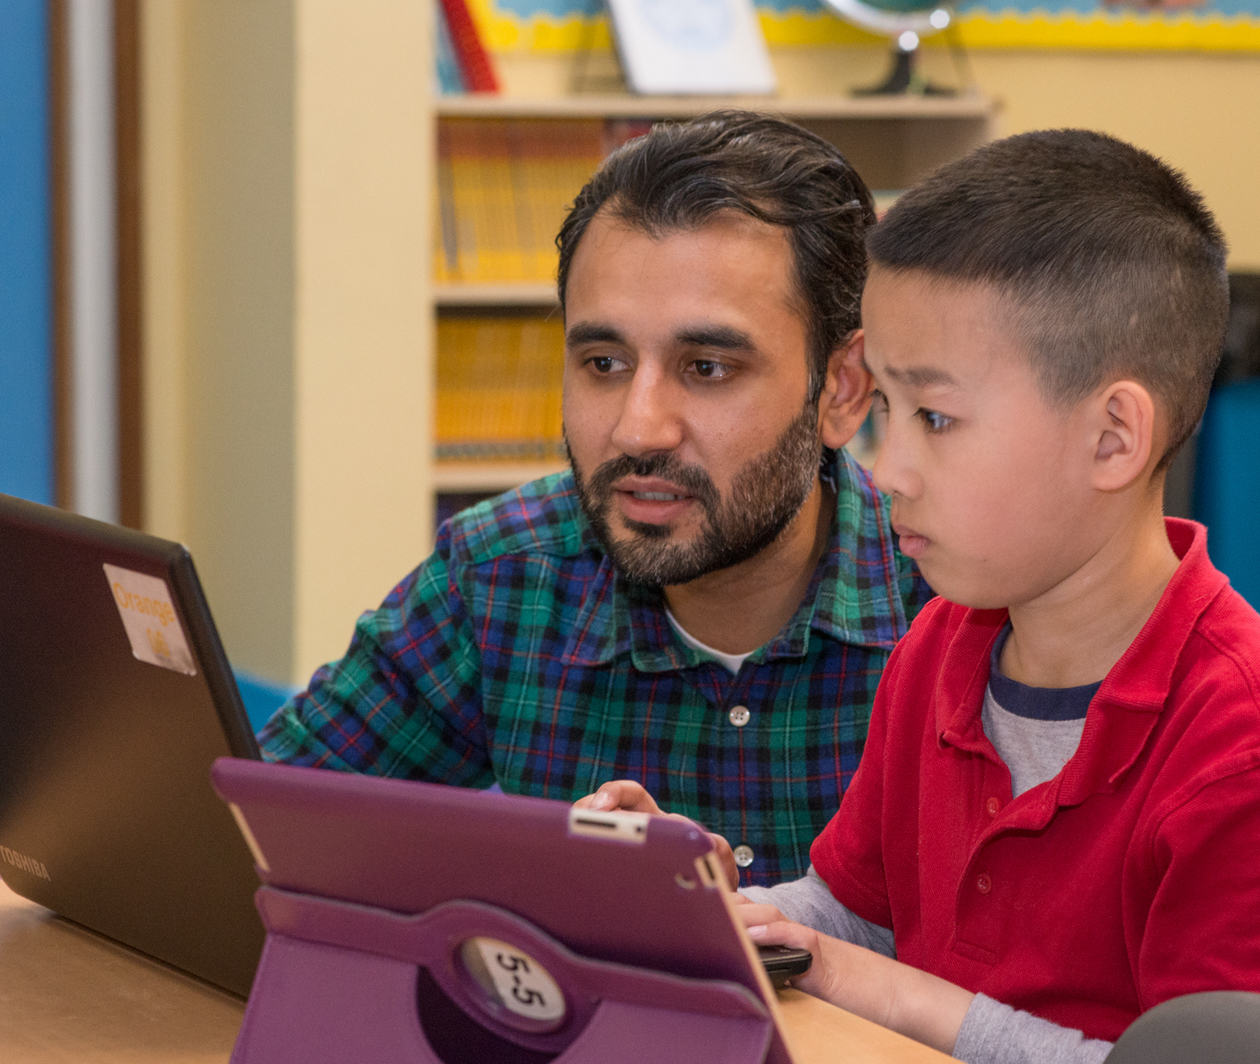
(679, 175)
(1112, 265)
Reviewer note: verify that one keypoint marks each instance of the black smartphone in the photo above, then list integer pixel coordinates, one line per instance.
(783, 962)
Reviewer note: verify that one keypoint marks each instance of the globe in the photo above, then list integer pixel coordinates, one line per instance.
(905, 21)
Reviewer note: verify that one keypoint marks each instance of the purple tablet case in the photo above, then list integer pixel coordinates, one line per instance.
(437, 925)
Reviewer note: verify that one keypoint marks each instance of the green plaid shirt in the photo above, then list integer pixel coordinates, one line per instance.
(518, 655)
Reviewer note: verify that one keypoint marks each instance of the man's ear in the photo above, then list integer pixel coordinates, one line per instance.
(1123, 432)
(846, 394)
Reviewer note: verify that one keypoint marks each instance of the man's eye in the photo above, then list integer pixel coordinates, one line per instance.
(603, 363)
(709, 369)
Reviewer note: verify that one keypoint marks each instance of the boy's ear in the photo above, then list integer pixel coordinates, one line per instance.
(846, 394)
(1123, 434)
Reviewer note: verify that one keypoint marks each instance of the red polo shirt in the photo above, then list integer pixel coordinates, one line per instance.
(1131, 877)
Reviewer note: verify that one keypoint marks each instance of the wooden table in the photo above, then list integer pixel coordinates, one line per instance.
(71, 997)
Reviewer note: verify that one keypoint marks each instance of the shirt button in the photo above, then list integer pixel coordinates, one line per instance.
(983, 883)
(993, 806)
(739, 716)
(743, 856)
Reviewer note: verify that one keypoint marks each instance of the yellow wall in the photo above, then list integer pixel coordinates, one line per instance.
(219, 330)
(286, 331)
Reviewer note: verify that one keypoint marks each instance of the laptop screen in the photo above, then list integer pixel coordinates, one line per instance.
(117, 697)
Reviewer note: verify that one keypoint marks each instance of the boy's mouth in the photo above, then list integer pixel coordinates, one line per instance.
(910, 542)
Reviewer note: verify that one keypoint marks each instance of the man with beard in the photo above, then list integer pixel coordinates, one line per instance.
(705, 601)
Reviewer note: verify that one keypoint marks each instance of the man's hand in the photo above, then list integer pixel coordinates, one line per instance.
(633, 798)
(621, 794)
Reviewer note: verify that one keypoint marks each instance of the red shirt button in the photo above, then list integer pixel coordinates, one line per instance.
(983, 883)
(993, 806)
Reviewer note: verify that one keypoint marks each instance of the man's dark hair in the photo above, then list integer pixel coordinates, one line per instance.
(1110, 263)
(679, 175)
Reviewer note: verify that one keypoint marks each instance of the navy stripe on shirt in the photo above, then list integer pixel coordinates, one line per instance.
(1038, 703)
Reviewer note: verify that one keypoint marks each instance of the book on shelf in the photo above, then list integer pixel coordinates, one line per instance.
(498, 388)
(450, 78)
(476, 68)
(503, 187)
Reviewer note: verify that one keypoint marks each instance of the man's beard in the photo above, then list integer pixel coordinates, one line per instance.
(766, 494)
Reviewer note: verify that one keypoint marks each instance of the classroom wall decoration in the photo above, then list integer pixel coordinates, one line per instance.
(1163, 25)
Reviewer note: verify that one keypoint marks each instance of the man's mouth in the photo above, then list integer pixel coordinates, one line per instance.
(652, 489)
(656, 496)
(655, 493)
(652, 501)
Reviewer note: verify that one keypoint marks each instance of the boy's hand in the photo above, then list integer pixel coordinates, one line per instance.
(875, 987)
(632, 797)
(769, 927)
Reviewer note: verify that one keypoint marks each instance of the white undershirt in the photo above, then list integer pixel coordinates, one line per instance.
(731, 661)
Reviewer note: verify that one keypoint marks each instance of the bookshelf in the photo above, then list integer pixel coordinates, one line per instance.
(290, 304)
(892, 142)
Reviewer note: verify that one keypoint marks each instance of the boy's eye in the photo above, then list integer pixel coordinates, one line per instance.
(933, 420)
(879, 402)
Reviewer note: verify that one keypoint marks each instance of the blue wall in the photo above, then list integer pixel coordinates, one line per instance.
(1227, 483)
(26, 305)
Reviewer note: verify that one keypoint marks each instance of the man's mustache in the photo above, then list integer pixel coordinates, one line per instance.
(694, 480)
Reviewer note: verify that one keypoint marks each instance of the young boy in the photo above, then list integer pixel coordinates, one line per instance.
(1056, 819)
(1058, 806)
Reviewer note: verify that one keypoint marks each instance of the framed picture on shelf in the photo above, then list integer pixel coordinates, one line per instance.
(700, 47)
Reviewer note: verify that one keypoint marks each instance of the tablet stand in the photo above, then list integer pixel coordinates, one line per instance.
(465, 982)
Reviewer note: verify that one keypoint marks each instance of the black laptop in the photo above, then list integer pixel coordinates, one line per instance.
(115, 698)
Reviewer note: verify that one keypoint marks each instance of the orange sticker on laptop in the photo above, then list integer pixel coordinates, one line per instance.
(148, 615)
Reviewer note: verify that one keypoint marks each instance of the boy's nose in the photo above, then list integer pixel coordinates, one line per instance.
(893, 471)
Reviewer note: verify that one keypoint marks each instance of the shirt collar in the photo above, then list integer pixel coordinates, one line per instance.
(1127, 706)
(1139, 685)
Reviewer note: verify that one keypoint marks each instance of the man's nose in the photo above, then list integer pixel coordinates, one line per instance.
(650, 418)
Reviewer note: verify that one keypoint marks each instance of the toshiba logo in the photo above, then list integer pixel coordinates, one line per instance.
(23, 863)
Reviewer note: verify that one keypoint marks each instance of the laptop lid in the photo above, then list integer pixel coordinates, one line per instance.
(501, 922)
(115, 698)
